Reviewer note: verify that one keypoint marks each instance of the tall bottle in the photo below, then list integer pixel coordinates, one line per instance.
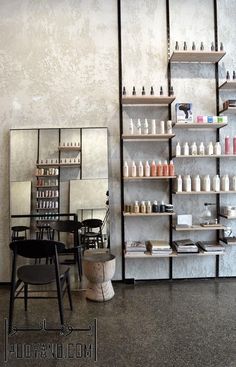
(206, 183)
(179, 184)
(143, 207)
(146, 127)
(216, 183)
(153, 127)
(201, 149)
(159, 169)
(225, 183)
(186, 149)
(234, 145)
(126, 169)
(178, 149)
(234, 183)
(147, 169)
(162, 127)
(148, 207)
(210, 148)
(136, 207)
(171, 168)
(140, 169)
(196, 183)
(217, 148)
(187, 183)
(133, 170)
(139, 127)
(169, 127)
(131, 127)
(193, 148)
(165, 169)
(153, 169)
(227, 145)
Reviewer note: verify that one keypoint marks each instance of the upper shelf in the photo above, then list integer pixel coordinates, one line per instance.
(197, 56)
(142, 100)
(196, 227)
(197, 125)
(147, 178)
(148, 137)
(228, 85)
(69, 148)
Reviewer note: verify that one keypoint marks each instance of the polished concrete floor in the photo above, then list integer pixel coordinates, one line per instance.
(175, 324)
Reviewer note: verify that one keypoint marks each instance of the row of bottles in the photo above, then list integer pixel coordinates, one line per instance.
(153, 127)
(205, 183)
(57, 162)
(47, 172)
(233, 75)
(146, 207)
(48, 182)
(71, 144)
(147, 170)
(209, 149)
(201, 47)
(47, 194)
(143, 92)
(50, 204)
(48, 217)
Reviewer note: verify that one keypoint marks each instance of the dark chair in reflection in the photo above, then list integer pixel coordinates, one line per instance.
(70, 227)
(38, 274)
(19, 233)
(92, 233)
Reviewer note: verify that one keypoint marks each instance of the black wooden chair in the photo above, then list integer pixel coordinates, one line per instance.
(37, 274)
(92, 233)
(19, 233)
(70, 227)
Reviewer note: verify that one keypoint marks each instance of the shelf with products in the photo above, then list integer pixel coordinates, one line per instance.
(205, 156)
(148, 255)
(198, 227)
(228, 85)
(70, 148)
(45, 186)
(65, 164)
(197, 56)
(198, 125)
(127, 214)
(203, 192)
(42, 209)
(149, 178)
(148, 137)
(37, 175)
(147, 100)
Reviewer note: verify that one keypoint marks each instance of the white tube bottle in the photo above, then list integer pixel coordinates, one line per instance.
(216, 183)
(145, 127)
(139, 127)
(131, 127)
(140, 169)
(147, 169)
(178, 149)
(234, 183)
(206, 183)
(225, 183)
(125, 169)
(154, 127)
(162, 127)
(193, 148)
(201, 149)
(179, 184)
(210, 148)
(187, 183)
(197, 183)
(217, 148)
(134, 170)
(186, 149)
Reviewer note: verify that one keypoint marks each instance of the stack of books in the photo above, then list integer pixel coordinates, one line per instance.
(135, 247)
(211, 246)
(159, 247)
(185, 246)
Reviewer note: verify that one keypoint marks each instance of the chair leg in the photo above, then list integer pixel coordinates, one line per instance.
(69, 289)
(11, 308)
(26, 296)
(79, 262)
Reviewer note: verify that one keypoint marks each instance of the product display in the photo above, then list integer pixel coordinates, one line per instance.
(146, 207)
(147, 170)
(205, 183)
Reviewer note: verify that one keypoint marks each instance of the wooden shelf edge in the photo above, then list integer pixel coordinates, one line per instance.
(203, 192)
(196, 125)
(199, 228)
(183, 56)
(148, 100)
(143, 255)
(228, 109)
(228, 85)
(147, 214)
(205, 156)
(147, 137)
(148, 178)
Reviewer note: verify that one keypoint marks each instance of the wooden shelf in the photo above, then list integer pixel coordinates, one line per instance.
(58, 164)
(148, 178)
(205, 156)
(69, 165)
(69, 148)
(199, 228)
(142, 255)
(227, 216)
(49, 198)
(228, 85)
(197, 56)
(204, 192)
(46, 186)
(228, 110)
(46, 175)
(148, 137)
(48, 209)
(197, 125)
(147, 100)
(125, 214)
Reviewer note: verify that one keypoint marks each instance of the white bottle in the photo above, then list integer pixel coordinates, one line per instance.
(126, 169)
(134, 170)
(169, 127)
(147, 169)
(140, 169)
(225, 183)
(146, 127)
(216, 183)
(154, 127)
(193, 148)
(187, 183)
(131, 127)
(234, 183)
(139, 127)
(179, 184)
(206, 183)
(210, 148)
(143, 207)
(197, 183)
(162, 127)
(217, 148)
(178, 149)
(148, 207)
(201, 149)
(186, 149)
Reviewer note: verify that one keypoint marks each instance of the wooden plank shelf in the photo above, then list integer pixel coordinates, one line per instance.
(46, 186)
(203, 192)
(147, 100)
(199, 228)
(148, 178)
(197, 56)
(126, 214)
(227, 216)
(228, 110)
(48, 209)
(197, 125)
(148, 255)
(228, 85)
(69, 148)
(148, 137)
(205, 156)
(46, 175)
(69, 165)
(56, 165)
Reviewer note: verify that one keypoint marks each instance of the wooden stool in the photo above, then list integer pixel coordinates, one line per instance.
(99, 269)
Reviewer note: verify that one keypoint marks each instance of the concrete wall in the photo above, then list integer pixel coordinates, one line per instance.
(59, 68)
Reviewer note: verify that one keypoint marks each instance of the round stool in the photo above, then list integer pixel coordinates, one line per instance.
(99, 270)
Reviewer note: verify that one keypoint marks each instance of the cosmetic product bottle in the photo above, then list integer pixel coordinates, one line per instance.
(185, 46)
(197, 183)
(179, 184)
(201, 47)
(206, 186)
(176, 45)
(225, 183)
(212, 46)
(147, 169)
(140, 169)
(143, 91)
(124, 91)
(217, 148)
(171, 91)
(201, 149)
(143, 207)
(221, 46)
(162, 127)
(146, 127)
(159, 169)
(136, 207)
(153, 127)
(234, 145)
(216, 183)
(186, 149)
(153, 169)
(187, 183)
(165, 169)
(155, 207)
(227, 145)
(125, 170)
(234, 183)
(171, 168)
(152, 91)
(193, 46)
(131, 127)
(193, 148)
(227, 75)
(178, 149)
(169, 127)
(134, 170)
(210, 148)
(161, 91)
(162, 207)
(234, 75)
(139, 127)
(134, 92)
(148, 207)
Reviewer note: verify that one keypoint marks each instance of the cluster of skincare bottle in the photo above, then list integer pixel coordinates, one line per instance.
(152, 127)
(205, 183)
(198, 149)
(148, 170)
(146, 207)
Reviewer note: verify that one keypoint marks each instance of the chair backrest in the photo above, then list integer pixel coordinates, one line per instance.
(69, 226)
(36, 249)
(92, 223)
